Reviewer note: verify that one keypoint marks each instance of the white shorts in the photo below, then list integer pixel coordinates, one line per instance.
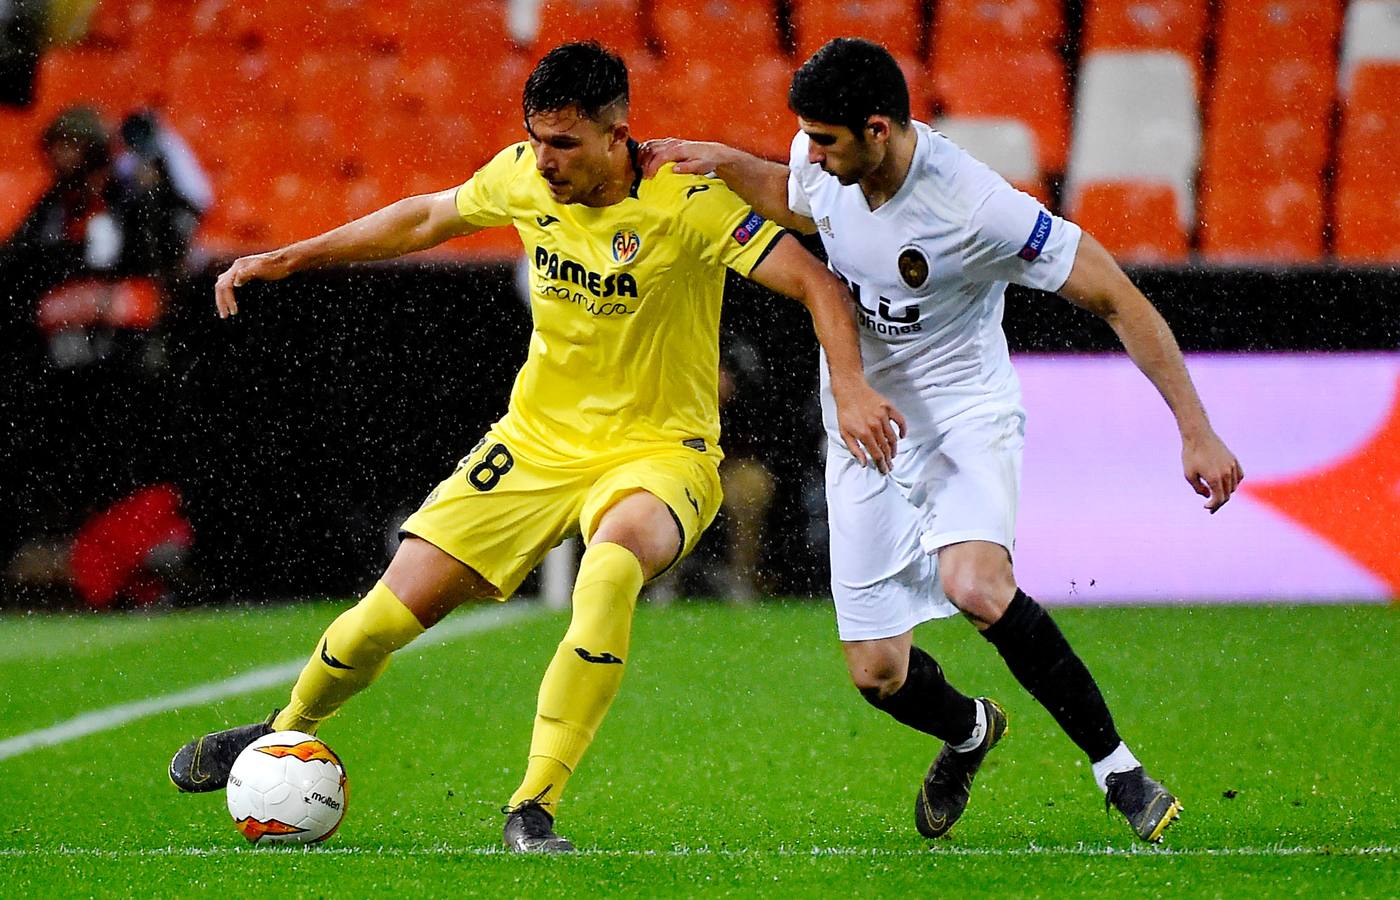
(886, 530)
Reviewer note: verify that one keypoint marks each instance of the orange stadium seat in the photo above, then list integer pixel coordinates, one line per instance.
(672, 103)
(158, 31)
(1277, 144)
(1029, 86)
(126, 23)
(276, 23)
(363, 195)
(895, 23)
(921, 96)
(492, 99)
(1137, 222)
(1273, 114)
(1258, 29)
(472, 29)
(271, 211)
(1365, 225)
(617, 24)
(224, 83)
(420, 154)
(99, 78)
(1369, 148)
(743, 103)
(339, 82)
(298, 206)
(1368, 167)
(762, 123)
(19, 188)
(19, 139)
(1178, 25)
(1303, 85)
(687, 29)
(1279, 222)
(979, 26)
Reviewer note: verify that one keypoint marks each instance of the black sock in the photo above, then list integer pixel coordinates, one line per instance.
(1042, 660)
(927, 702)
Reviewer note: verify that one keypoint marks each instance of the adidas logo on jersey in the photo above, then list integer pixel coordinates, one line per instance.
(824, 226)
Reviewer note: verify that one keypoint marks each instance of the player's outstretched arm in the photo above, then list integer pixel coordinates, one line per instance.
(864, 416)
(1097, 284)
(761, 182)
(414, 223)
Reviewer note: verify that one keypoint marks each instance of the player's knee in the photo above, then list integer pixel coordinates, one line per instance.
(642, 525)
(875, 694)
(879, 680)
(982, 595)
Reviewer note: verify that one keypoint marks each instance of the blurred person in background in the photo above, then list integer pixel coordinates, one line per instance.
(748, 482)
(84, 274)
(129, 554)
(71, 228)
(162, 195)
(728, 566)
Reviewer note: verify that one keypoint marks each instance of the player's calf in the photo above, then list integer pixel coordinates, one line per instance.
(204, 763)
(922, 699)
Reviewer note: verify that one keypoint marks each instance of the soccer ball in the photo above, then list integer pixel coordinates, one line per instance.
(287, 788)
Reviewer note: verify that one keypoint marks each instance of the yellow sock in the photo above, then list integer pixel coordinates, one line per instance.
(583, 677)
(352, 653)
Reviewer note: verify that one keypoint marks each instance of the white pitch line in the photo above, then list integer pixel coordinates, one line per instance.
(111, 717)
(706, 852)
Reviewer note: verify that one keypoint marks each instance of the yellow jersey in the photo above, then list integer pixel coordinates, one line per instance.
(626, 305)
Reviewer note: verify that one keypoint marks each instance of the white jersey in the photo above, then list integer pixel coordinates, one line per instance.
(929, 271)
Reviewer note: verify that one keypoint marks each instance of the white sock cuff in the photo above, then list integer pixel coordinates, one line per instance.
(979, 730)
(1120, 760)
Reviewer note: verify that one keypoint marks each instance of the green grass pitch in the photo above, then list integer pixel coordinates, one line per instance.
(737, 761)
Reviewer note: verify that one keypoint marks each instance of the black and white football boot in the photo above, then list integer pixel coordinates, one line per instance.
(943, 795)
(203, 764)
(1148, 806)
(530, 829)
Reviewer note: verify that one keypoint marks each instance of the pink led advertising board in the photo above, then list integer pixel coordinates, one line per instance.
(1106, 515)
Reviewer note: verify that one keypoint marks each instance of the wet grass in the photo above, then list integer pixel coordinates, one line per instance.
(736, 760)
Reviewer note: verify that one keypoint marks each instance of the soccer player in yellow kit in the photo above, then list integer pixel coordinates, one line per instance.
(613, 425)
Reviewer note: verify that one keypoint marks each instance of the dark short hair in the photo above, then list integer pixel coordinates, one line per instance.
(585, 75)
(81, 126)
(846, 82)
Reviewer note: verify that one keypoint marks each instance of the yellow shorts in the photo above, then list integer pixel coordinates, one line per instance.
(500, 511)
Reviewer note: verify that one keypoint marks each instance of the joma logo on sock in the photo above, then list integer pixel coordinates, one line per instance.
(605, 658)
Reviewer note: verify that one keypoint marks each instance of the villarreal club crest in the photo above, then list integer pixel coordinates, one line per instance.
(625, 244)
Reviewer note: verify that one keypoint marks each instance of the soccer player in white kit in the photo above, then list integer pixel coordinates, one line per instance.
(927, 238)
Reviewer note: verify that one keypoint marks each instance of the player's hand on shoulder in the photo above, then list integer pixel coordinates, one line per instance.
(1211, 469)
(867, 421)
(690, 157)
(260, 267)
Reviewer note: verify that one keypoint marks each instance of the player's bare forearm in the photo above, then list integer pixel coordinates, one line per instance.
(408, 225)
(414, 223)
(1097, 284)
(761, 182)
(865, 416)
